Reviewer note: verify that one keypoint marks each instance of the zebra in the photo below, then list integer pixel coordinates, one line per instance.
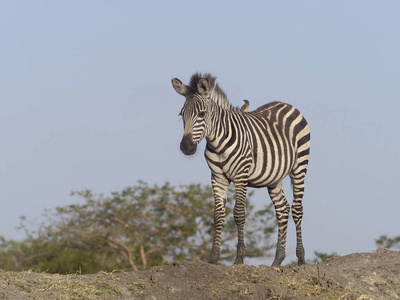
(251, 149)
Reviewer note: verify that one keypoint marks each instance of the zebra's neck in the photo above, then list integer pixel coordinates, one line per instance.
(219, 123)
(220, 99)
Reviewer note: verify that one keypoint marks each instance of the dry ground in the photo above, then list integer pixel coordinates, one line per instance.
(357, 276)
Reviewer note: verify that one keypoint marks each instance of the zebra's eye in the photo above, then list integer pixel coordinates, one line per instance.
(202, 114)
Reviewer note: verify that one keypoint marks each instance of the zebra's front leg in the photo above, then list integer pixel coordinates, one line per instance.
(220, 187)
(282, 209)
(239, 214)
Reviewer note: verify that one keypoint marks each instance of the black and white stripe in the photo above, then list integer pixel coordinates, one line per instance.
(250, 149)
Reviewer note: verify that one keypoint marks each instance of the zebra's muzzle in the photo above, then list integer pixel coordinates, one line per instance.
(187, 145)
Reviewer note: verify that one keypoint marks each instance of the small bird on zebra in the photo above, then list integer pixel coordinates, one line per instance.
(245, 106)
(249, 149)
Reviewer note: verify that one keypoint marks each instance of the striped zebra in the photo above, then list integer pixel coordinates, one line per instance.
(250, 149)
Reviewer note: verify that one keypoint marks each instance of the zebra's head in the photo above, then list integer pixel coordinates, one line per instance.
(194, 112)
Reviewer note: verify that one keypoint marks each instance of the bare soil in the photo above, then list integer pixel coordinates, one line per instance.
(357, 276)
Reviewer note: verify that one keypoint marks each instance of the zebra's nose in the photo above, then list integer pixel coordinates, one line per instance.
(187, 146)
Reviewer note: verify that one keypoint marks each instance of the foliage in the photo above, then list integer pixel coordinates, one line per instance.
(137, 228)
(321, 257)
(387, 242)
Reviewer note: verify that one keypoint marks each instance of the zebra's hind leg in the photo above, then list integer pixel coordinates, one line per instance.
(220, 188)
(282, 209)
(239, 214)
(297, 211)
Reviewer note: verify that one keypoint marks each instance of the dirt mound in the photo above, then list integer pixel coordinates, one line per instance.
(356, 276)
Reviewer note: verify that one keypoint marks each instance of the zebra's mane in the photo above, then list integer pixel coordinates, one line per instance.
(217, 94)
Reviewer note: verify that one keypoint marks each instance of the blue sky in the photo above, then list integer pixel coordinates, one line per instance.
(87, 103)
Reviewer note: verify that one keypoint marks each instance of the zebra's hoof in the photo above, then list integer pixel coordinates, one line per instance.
(301, 262)
(214, 259)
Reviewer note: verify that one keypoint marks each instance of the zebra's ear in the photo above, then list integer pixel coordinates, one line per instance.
(203, 86)
(179, 87)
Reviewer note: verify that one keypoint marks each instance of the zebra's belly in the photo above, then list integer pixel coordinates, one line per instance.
(266, 175)
(265, 181)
